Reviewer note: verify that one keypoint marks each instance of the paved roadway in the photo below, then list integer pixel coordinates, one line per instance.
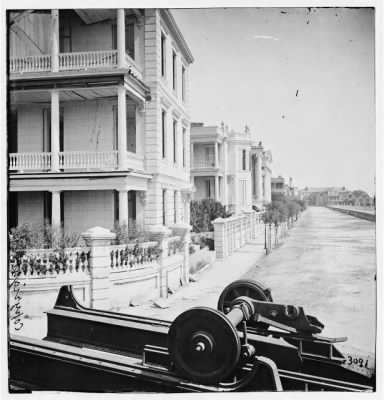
(328, 265)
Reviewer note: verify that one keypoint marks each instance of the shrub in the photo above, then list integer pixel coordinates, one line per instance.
(203, 212)
(129, 233)
(41, 236)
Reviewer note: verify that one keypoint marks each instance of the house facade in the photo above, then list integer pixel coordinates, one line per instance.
(229, 167)
(98, 123)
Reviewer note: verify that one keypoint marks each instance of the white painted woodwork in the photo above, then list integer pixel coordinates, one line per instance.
(55, 41)
(55, 130)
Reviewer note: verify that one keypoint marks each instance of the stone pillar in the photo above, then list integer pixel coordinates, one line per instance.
(56, 208)
(55, 130)
(220, 237)
(122, 126)
(259, 181)
(120, 37)
(98, 240)
(123, 207)
(160, 234)
(55, 40)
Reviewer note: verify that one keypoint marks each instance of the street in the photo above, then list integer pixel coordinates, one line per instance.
(328, 265)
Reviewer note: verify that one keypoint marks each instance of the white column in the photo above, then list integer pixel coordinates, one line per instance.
(120, 37)
(217, 194)
(123, 207)
(122, 126)
(55, 130)
(259, 180)
(56, 209)
(216, 155)
(55, 40)
(192, 162)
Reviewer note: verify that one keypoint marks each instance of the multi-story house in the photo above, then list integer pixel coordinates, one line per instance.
(228, 167)
(278, 186)
(98, 123)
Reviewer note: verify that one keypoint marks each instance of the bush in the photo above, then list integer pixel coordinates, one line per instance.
(129, 233)
(41, 236)
(203, 212)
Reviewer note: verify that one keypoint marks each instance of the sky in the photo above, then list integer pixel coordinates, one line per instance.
(301, 79)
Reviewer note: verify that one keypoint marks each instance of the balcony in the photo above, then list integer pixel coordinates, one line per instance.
(80, 61)
(74, 160)
(206, 164)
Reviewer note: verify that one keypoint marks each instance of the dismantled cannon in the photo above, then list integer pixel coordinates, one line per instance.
(250, 343)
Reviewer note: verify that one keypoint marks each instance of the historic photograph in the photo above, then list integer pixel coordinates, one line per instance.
(191, 199)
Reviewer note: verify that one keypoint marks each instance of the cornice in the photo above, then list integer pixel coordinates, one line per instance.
(177, 35)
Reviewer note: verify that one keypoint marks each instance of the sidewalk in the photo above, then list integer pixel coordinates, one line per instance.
(210, 284)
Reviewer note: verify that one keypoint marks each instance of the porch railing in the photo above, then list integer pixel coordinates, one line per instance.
(73, 61)
(200, 164)
(29, 161)
(87, 59)
(30, 63)
(87, 159)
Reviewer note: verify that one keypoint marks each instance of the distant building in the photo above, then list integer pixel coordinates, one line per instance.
(278, 186)
(331, 196)
(228, 167)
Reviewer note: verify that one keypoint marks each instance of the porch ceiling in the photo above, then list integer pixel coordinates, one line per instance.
(44, 96)
(93, 15)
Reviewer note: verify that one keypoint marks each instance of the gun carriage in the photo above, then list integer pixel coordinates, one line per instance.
(249, 343)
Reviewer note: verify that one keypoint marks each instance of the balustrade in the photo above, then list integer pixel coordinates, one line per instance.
(30, 63)
(73, 61)
(88, 59)
(28, 161)
(200, 164)
(88, 159)
(48, 262)
(134, 256)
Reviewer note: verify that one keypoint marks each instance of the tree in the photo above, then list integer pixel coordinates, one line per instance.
(203, 212)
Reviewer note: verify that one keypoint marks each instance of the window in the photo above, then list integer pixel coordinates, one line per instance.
(184, 146)
(175, 207)
(244, 160)
(163, 49)
(183, 82)
(164, 205)
(174, 141)
(163, 133)
(174, 71)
